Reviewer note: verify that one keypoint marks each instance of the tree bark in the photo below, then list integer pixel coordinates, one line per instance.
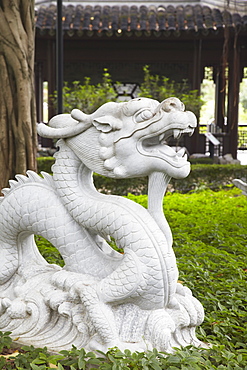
(18, 138)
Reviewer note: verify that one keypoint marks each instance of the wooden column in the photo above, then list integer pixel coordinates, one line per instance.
(220, 96)
(194, 146)
(49, 76)
(234, 77)
(51, 73)
(59, 57)
(39, 91)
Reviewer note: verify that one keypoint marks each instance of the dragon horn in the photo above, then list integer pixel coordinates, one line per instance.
(65, 125)
(170, 104)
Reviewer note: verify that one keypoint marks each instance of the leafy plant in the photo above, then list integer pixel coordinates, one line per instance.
(161, 87)
(35, 358)
(79, 359)
(48, 251)
(45, 163)
(5, 340)
(86, 96)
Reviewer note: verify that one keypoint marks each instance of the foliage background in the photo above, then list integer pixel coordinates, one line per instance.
(208, 96)
(88, 97)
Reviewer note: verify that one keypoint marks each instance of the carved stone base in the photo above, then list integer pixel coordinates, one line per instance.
(51, 307)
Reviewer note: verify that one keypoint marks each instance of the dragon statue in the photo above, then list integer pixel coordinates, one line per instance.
(100, 298)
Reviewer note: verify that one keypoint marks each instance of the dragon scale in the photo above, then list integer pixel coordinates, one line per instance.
(39, 215)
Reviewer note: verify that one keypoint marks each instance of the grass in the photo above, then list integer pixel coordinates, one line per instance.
(210, 242)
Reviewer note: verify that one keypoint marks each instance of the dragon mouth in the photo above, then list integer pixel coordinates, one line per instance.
(157, 146)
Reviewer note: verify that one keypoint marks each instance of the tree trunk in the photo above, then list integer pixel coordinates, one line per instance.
(18, 139)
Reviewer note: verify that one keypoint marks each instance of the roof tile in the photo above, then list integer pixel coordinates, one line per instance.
(198, 17)
(208, 17)
(143, 18)
(161, 18)
(116, 20)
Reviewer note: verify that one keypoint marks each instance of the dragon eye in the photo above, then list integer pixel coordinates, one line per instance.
(143, 115)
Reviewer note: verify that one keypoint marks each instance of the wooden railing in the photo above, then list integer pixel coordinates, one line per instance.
(242, 135)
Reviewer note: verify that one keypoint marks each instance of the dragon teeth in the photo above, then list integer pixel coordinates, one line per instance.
(161, 137)
(176, 133)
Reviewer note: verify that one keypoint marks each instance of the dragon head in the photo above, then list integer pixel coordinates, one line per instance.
(128, 139)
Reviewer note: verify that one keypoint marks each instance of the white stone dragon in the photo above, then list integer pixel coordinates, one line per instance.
(101, 298)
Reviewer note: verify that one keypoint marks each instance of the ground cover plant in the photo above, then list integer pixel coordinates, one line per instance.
(210, 242)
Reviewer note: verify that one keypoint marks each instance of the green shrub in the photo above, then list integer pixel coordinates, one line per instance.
(202, 160)
(44, 164)
(202, 176)
(48, 251)
(86, 96)
(213, 176)
(160, 88)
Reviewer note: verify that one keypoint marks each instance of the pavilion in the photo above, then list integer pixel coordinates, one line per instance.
(177, 40)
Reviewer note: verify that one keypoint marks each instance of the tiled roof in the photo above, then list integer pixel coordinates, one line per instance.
(119, 20)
